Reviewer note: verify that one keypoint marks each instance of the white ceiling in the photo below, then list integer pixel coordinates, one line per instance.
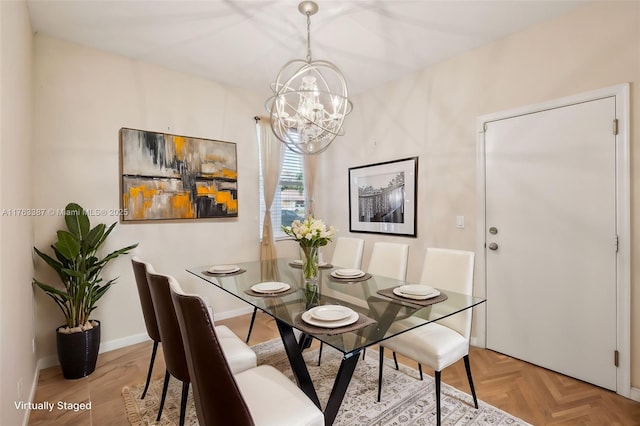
(245, 43)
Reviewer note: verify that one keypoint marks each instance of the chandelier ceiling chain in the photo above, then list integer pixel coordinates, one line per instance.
(310, 100)
(308, 37)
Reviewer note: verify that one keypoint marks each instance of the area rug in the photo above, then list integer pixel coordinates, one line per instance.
(406, 400)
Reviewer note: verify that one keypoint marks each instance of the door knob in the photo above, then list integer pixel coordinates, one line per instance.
(493, 246)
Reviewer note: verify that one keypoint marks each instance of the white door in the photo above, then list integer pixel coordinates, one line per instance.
(551, 239)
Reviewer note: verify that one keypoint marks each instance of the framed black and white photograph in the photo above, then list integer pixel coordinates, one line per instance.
(382, 197)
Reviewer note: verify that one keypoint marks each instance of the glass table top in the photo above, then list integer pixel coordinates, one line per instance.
(390, 316)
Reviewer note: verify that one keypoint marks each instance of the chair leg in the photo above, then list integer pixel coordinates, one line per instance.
(395, 360)
(364, 352)
(253, 318)
(183, 402)
(437, 377)
(320, 353)
(164, 394)
(153, 358)
(467, 366)
(420, 370)
(380, 364)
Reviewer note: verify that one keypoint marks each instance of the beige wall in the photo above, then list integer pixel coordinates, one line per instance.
(83, 97)
(433, 114)
(17, 360)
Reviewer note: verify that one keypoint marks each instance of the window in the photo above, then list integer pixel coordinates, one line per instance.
(289, 201)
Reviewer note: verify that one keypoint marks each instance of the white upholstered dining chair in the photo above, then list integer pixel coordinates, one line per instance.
(389, 260)
(347, 253)
(439, 344)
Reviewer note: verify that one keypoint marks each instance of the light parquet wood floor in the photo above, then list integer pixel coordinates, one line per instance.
(536, 395)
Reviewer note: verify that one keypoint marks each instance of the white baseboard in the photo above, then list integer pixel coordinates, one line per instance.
(32, 392)
(52, 360)
(477, 342)
(123, 342)
(635, 394)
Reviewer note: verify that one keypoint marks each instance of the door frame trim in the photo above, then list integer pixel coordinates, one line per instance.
(623, 217)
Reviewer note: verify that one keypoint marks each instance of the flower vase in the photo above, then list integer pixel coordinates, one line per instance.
(310, 275)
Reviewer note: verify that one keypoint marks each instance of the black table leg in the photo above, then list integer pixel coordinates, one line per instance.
(294, 353)
(301, 373)
(305, 341)
(340, 385)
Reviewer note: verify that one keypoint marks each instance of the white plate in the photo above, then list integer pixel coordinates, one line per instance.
(270, 287)
(397, 292)
(347, 273)
(416, 289)
(308, 318)
(223, 269)
(330, 312)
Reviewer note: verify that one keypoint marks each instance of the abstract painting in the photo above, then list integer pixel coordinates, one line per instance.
(167, 177)
(382, 197)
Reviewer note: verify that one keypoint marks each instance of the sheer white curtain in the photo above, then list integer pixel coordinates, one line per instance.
(310, 166)
(271, 155)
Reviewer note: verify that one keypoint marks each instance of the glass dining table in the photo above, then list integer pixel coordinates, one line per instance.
(380, 311)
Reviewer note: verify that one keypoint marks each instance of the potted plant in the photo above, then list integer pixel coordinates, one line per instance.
(79, 267)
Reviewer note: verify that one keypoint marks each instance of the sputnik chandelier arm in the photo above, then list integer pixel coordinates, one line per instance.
(310, 100)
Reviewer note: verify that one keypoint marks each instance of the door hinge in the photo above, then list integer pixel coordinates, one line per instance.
(616, 358)
(615, 126)
(617, 243)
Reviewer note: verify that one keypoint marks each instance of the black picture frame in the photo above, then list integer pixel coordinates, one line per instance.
(383, 197)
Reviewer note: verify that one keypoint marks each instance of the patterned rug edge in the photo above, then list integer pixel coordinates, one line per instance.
(131, 407)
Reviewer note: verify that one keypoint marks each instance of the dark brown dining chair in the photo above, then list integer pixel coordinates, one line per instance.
(172, 348)
(140, 269)
(252, 397)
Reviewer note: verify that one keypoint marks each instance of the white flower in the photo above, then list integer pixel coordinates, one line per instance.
(310, 232)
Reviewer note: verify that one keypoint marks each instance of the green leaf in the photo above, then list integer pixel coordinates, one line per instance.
(77, 220)
(106, 234)
(117, 253)
(73, 273)
(95, 236)
(102, 290)
(50, 290)
(67, 245)
(57, 266)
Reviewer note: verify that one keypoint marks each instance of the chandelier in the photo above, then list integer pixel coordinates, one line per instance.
(309, 101)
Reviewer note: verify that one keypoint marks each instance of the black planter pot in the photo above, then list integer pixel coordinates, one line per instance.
(78, 352)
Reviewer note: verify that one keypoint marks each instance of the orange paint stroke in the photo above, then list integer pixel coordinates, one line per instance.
(182, 206)
(140, 200)
(180, 142)
(204, 191)
(224, 197)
